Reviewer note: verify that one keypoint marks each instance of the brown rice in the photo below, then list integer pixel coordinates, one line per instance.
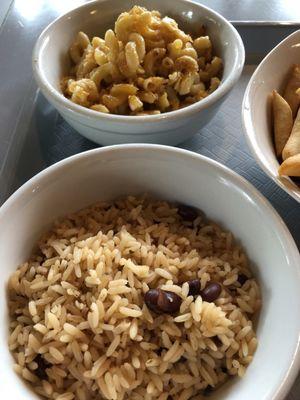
(80, 328)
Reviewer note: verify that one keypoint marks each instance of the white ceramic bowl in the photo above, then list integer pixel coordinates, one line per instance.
(256, 110)
(178, 175)
(51, 63)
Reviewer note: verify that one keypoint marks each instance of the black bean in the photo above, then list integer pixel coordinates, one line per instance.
(211, 292)
(151, 299)
(162, 301)
(208, 390)
(242, 278)
(194, 287)
(168, 302)
(224, 370)
(217, 341)
(187, 213)
(40, 372)
(159, 351)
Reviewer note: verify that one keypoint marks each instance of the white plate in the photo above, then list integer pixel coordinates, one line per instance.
(177, 175)
(256, 111)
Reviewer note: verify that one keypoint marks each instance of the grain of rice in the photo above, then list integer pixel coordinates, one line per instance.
(48, 389)
(186, 304)
(32, 308)
(243, 332)
(119, 290)
(193, 368)
(21, 359)
(152, 362)
(196, 308)
(172, 288)
(14, 334)
(93, 316)
(163, 396)
(186, 394)
(76, 351)
(171, 352)
(129, 370)
(107, 327)
(166, 340)
(112, 347)
(209, 360)
(185, 290)
(179, 353)
(101, 360)
(122, 327)
(29, 376)
(53, 321)
(244, 306)
(116, 383)
(229, 281)
(129, 312)
(39, 285)
(224, 339)
(18, 368)
(34, 343)
(245, 350)
(66, 338)
(117, 282)
(206, 376)
(135, 362)
(110, 386)
(80, 394)
(241, 371)
(59, 372)
(133, 329)
(68, 271)
(65, 396)
(163, 273)
(252, 345)
(139, 270)
(123, 382)
(56, 354)
(183, 318)
(146, 314)
(71, 329)
(163, 367)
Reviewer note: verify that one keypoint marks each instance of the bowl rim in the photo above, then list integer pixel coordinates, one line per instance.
(284, 236)
(62, 101)
(249, 129)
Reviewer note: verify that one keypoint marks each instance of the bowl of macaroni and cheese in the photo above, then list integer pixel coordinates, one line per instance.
(145, 72)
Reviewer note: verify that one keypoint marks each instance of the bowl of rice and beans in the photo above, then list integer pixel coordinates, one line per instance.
(144, 293)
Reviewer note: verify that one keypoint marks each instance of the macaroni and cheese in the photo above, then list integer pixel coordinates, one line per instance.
(146, 66)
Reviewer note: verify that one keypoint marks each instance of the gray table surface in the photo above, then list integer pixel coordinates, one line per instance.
(22, 22)
(33, 136)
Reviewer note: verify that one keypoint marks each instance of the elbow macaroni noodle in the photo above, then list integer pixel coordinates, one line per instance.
(146, 66)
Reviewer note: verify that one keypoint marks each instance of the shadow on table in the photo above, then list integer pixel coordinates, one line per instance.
(58, 140)
(48, 140)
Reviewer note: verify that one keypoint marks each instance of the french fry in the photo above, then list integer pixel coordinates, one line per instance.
(283, 121)
(290, 94)
(291, 166)
(292, 146)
